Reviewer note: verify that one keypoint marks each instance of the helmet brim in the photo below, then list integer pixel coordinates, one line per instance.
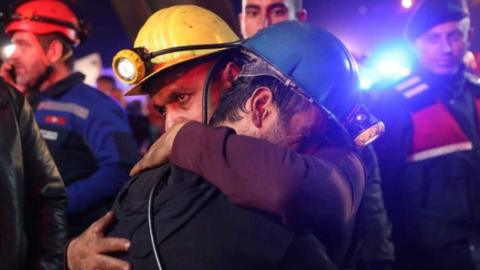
(171, 72)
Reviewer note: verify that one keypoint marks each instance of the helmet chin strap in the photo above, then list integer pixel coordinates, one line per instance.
(206, 89)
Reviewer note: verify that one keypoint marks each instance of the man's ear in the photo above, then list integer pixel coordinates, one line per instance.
(54, 52)
(302, 15)
(261, 106)
(229, 74)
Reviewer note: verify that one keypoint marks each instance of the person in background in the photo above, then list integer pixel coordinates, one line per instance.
(429, 156)
(86, 132)
(258, 14)
(140, 125)
(108, 86)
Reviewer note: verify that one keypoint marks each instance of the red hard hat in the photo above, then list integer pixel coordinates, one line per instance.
(45, 17)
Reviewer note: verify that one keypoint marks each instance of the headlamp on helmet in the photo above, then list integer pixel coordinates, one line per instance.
(132, 65)
(363, 126)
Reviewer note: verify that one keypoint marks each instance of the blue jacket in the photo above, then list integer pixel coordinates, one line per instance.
(90, 139)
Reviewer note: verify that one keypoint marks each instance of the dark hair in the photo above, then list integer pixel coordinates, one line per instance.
(235, 98)
(67, 46)
(107, 78)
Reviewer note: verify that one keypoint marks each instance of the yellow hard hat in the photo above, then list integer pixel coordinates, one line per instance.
(170, 37)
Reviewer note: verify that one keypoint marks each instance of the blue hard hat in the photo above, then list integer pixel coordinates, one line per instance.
(313, 59)
(315, 64)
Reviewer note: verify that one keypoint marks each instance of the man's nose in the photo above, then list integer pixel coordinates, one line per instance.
(267, 21)
(172, 118)
(445, 46)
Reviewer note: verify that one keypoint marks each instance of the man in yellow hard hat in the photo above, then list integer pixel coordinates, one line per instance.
(174, 82)
(180, 98)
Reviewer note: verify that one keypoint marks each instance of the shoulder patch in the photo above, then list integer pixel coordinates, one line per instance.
(472, 78)
(408, 83)
(411, 86)
(411, 92)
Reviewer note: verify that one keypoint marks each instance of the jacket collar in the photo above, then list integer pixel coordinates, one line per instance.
(62, 86)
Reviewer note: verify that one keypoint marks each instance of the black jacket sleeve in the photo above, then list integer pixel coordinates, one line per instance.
(374, 228)
(45, 196)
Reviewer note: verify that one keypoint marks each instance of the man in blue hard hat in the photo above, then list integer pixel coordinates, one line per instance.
(371, 246)
(429, 157)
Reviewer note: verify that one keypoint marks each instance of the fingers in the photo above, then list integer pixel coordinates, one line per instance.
(100, 225)
(88, 250)
(146, 161)
(159, 152)
(112, 244)
(103, 262)
(140, 166)
(4, 72)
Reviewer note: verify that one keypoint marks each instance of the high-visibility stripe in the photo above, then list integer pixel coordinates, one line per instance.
(415, 91)
(409, 83)
(440, 151)
(73, 108)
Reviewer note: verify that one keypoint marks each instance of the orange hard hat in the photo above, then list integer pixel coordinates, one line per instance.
(45, 17)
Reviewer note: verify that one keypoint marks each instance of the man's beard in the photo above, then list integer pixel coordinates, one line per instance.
(33, 77)
(277, 133)
(308, 141)
(32, 89)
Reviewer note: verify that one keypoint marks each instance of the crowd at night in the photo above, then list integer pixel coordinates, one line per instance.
(240, 134)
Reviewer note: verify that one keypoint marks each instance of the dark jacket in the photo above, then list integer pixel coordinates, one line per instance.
(33, 229)
(371, 247)
(320, 192)
(430, 162)
(198, 228)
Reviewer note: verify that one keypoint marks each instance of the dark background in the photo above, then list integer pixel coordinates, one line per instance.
(364, 25)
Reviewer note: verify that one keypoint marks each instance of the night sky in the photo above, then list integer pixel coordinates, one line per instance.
(363, 25)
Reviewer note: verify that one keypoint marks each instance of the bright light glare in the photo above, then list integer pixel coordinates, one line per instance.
(385, 66)
(365, 82)
(8, 50)
(392, 67)
(407, 3)
(126, 69)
